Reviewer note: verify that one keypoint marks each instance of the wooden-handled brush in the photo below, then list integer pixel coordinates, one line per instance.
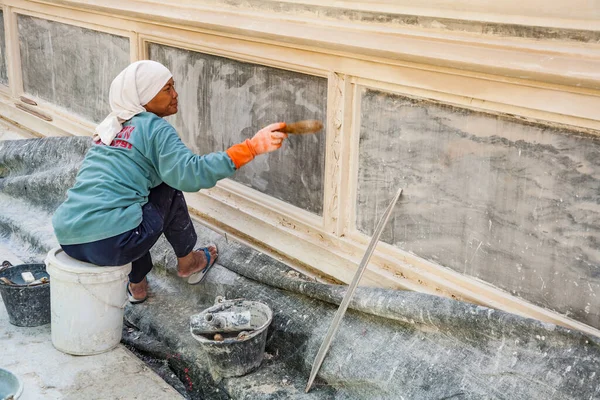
(303, 127)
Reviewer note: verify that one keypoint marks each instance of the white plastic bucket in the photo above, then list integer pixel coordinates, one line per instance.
(87, 303)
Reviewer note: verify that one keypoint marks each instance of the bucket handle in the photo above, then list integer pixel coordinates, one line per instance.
(5, 265)
(100, 300)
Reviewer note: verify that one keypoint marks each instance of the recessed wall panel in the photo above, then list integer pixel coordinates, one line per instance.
(511, 203)
(223, 102)
(70, 66)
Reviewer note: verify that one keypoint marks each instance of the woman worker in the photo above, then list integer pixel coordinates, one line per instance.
(129, 188)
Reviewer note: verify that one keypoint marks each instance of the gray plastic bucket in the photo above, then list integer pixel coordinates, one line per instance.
(237, 353)
(26, 305)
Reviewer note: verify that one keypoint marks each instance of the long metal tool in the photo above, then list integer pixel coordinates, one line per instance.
(351, 288)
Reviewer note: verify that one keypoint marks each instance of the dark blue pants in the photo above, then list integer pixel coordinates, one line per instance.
(166, 212)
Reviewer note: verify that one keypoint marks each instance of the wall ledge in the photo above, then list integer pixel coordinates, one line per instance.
(303, 248)
(561, 62)
(472, 15)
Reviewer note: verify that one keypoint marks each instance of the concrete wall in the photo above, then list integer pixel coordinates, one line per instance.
(510, 203)
(224, 102)
(70, 66)
(489, 123)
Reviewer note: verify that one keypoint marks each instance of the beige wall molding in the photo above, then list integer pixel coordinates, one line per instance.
(535, 94)
(580, 14)
(325, 256)
(577, 20)
(558, 63)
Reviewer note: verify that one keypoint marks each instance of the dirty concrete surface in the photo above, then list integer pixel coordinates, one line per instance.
(48, 374)
(511, 203)
(214, 88)
(391, 344)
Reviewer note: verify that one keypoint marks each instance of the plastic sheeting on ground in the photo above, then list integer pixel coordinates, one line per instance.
(391, 344)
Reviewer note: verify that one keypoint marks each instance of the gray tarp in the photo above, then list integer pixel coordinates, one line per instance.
(391, 344)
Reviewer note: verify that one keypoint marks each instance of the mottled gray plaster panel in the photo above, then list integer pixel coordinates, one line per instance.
(514, 204)
(223, 102)
(3, 58)
(69, 66)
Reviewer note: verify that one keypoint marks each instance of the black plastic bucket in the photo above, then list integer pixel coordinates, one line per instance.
(26, 305)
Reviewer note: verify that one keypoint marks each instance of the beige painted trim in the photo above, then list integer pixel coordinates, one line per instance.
(15, 132)
(134, 49)
(141, 48)
(333, 153)
(577, 14)
(79, 19)
(570, 105)
(72, 16)
(237, 49)
(304, 247)
(59, 126)
(537, 103)
(337, 163)
(232, 192)
(573, 65)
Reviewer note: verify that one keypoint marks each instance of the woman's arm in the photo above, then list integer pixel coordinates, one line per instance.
(180, 168)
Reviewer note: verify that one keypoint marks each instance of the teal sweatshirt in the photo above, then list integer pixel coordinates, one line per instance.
(114, 181)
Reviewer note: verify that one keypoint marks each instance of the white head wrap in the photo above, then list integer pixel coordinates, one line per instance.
(132, 89)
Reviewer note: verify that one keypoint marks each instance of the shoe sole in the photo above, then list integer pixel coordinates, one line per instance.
(198, 277)
(132, 299)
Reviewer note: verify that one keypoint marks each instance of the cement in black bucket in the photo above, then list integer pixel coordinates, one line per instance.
(242, 335)
(26, 305)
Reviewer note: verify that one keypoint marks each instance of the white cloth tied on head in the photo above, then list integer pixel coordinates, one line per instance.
(132, 89)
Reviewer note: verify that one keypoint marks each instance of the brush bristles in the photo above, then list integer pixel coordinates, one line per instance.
(303, 127)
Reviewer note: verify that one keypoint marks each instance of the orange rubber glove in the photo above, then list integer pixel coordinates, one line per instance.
(266, 140)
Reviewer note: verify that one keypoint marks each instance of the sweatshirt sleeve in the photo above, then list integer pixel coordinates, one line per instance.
(180, 168)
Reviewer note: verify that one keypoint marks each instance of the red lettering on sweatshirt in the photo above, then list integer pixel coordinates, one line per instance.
(121, 139)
